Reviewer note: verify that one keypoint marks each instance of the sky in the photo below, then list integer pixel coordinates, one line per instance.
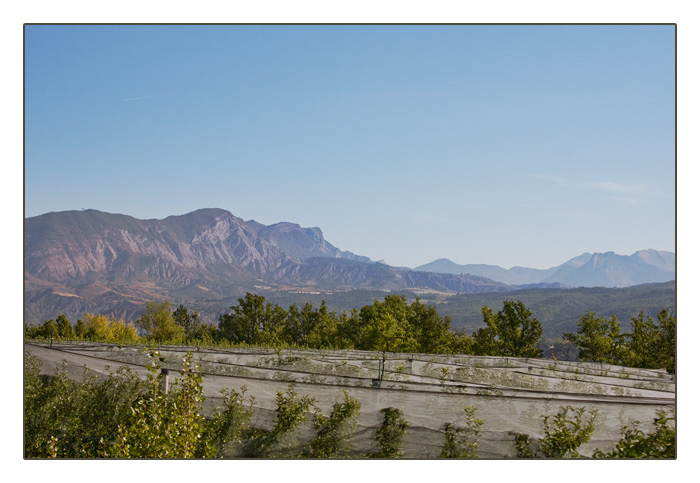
(501, 144)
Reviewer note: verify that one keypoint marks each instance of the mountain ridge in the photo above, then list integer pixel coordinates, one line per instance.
(87, 259)
(586, 270)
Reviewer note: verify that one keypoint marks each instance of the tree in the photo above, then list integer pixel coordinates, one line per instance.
(462, 442)
(431, 332)
(333, 432)
(386, 326)
(660, 443)
(49, 329)
(253, 321)
(667, 343)
(292, 411)
(65, 331)
(324, 331)
(80, 329)
(512, 332)
(189, 322)
(652, 345)
(599, 339)
(562, 435)
(158, 323)
(389, 435)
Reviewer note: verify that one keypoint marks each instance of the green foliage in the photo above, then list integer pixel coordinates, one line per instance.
(599, 339)
(165, 425)
(192, 326)
(158, 323)
(511, 332)
(65, 331)
(333, 432)
(126, 417)
(64, 418)
(562, 435)
(661, 443)
(462, 442)
(386, 326)
(649, 345)
(389, 435)
(653, 345)
(253, 321)
(292, 411)
(224, 433)
(559, 309)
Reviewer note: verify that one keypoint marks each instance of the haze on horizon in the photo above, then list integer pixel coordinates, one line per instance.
(505, 145)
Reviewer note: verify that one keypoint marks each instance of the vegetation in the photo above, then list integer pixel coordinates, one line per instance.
(391, 325)
(650, 345)
(292, 411)
(511, 332)
(124, 416)
(563, 435)
(389, 435)
(661, 443)
(333, 432)
(462, 442)
(93, 327)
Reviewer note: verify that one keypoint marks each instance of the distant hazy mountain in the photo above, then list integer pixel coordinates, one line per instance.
(77, 261)
(586, 270)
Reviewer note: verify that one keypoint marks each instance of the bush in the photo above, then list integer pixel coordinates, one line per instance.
(64, 418)
(462, 442)
(389, 435)
(333, 432)
(563, 436)
(661, 443)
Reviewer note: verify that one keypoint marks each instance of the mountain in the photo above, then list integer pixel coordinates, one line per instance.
(77, 261)
(586, 270)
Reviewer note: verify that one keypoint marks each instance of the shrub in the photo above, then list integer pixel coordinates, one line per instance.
(333, 432)
(462, 442)
(389, 435)
(661, 443)
(563, 436)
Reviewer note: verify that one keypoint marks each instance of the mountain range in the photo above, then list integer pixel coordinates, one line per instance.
(78, 261)
(587, 270)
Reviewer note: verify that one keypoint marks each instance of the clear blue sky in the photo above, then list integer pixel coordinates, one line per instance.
(507, 145)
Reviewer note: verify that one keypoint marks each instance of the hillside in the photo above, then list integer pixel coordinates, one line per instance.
(89, 260)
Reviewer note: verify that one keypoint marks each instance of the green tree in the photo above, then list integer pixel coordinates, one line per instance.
(292, 411)
(254, 321)
(49, 329)
(462, 442)
(350, 330)
(80, 329)
(667, 343)
(158, 323)
(562, 435)
(65, 330)
(652, 345)
(386, 326)
(660, 443)
(599, 339)
(333, 432)
(189, 322)
(64, 418)
(223, 434)
(389, 435)
(511, 332)
(165, 425)
(431, 332)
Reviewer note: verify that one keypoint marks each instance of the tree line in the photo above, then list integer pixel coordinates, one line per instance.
(390, 325)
